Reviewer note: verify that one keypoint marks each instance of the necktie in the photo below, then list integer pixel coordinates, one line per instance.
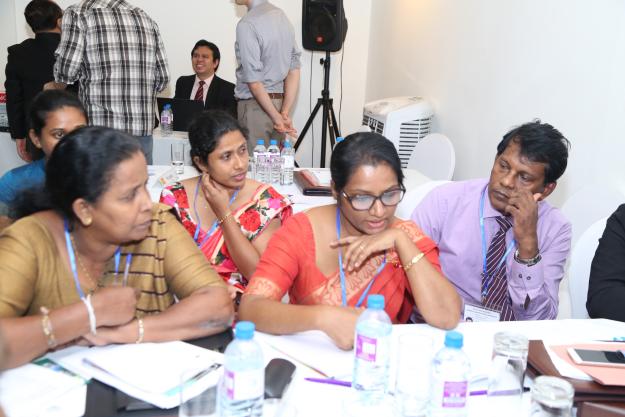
(497, 297)
(199, 94)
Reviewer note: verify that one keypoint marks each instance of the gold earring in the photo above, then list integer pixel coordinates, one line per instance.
(88, 221)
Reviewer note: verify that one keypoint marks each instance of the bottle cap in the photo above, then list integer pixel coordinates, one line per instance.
(453, 339)
(273, 142)
(287, 144)
(260, 142)
(167, 106)
(244, 330)
(375, 302)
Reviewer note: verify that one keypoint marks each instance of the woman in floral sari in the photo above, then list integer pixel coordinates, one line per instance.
(230, 217)
(328, 259)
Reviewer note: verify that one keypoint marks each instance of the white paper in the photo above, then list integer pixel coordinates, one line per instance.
(323, 176)
(313, 349)
(149, 371)
(33, 390)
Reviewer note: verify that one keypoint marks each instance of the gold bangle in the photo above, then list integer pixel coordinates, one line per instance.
(46, 326)
(413, 261)
(224, 218)
(141, 330)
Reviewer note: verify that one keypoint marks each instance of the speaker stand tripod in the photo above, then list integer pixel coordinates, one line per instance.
(328, 120)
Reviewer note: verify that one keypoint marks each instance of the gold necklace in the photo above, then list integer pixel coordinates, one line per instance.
(95, 283)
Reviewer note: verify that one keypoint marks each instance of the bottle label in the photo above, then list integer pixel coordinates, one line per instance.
(454, 394)
(244, 385)
(366, 348)
(165, 119)
(288, 161)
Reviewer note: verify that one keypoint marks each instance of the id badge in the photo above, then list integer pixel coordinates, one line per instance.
(479, 313)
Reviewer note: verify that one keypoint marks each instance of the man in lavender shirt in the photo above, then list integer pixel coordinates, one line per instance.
(524, 263)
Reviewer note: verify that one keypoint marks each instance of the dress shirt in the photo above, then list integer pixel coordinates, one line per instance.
(450, 216)
(115, 51)
(196, 85)
(265, 49)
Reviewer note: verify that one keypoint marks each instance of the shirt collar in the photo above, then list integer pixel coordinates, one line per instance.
(255, 3)
(207, 81)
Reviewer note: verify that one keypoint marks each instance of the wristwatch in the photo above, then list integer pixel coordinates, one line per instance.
(527, 262)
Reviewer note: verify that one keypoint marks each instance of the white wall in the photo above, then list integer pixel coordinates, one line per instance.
(7, 34)
(488, 65)
(184, 22)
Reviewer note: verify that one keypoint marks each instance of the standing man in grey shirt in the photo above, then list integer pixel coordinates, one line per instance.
(268, 71)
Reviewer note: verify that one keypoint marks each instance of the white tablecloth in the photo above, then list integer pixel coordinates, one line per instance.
(313, 399)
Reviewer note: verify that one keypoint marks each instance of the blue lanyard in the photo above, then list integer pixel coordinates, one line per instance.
(342, 271)
(199, 221)
(72, 261)
(489, 278)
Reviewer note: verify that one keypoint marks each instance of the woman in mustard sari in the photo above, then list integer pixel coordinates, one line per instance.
(328, 259)
(230, 217)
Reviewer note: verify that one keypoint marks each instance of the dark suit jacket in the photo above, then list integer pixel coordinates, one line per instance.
(29, 66)
(220, 93)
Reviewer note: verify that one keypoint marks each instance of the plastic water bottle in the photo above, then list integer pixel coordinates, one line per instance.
(288, 164)
(450, 379)
(372, 353)
(167, 120)
(242, 389)
(260, 161)
(274, 161)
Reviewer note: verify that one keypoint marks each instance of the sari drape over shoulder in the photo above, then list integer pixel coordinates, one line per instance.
(288, 265)
(253, 216)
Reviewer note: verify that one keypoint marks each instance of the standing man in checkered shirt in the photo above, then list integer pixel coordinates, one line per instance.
(115, 52)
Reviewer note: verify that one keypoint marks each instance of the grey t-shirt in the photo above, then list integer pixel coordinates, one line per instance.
(265, 49)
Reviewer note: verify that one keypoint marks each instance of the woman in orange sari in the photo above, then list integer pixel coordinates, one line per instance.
(330, 258)
(230, 217)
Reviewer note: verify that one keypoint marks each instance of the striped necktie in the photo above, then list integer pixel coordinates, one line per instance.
(199, 94)
(495, 280)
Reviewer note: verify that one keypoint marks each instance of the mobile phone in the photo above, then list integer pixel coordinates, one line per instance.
(597, 357)
(278, 374)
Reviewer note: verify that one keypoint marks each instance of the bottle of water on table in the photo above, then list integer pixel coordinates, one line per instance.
(167, 120)
(274, 161)
(450, 379)
(260, 161)
(372, 350)
(242, 389)
(288, 164)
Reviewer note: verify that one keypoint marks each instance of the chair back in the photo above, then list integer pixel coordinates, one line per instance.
(434, 156)
(413, 197)
(579, 268)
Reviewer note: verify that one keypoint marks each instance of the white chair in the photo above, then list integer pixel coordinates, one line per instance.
(434, 156)
(413, 198)
(579, 268)
(589, 204)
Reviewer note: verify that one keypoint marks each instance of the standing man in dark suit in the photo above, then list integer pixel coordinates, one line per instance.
(29, 66)
(205, 85)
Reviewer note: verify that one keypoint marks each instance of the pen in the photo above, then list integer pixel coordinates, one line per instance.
(332, 381)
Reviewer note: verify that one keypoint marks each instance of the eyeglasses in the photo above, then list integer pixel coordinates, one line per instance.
(362, 202)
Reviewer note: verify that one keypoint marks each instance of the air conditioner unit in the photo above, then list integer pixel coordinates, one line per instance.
(402, 120)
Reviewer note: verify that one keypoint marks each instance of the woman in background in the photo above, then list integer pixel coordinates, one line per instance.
(53, 114)
(230, 217)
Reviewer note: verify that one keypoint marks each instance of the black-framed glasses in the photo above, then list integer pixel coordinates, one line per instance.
(362, 202)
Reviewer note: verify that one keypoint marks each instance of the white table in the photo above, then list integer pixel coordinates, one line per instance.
(313, 399)
(301, 202)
